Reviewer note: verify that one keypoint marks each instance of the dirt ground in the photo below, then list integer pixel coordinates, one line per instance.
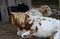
(8, 31)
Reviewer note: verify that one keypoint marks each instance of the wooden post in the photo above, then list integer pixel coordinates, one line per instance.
(4, 14)
(59, 3)
(11, 2)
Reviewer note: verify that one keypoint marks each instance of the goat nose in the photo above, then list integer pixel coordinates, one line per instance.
(25, 36)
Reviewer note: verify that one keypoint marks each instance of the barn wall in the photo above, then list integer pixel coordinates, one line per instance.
(3, 7)
(11, 2)
(50, 2)
(0, 14)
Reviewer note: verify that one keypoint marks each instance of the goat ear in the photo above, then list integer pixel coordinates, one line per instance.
(26, 17)
(45, 11)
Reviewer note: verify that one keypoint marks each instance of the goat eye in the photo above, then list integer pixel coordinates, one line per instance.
(39, 23)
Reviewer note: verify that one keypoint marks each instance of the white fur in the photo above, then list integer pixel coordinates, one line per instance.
(38, 11)
(57, 35)
(27, 33)
(47, 27)
(34, 12)
(43, 7)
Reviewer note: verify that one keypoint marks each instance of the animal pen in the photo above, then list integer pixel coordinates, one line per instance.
(8, 30)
